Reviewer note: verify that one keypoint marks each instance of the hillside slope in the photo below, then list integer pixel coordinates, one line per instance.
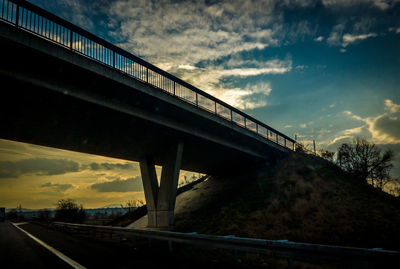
(303, 198)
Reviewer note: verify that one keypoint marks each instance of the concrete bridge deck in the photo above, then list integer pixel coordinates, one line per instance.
(61, 96)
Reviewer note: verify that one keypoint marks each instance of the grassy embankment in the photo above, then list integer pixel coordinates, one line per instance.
(303, 198)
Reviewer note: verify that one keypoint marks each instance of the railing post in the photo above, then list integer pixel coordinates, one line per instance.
(315, 153)
(70, 39)
(113, 58)
(17, 16)
(215, 103)
(244, 122)
(147, 74)
(174, 88)
(231, 115)
(197, 100)
(257, 128)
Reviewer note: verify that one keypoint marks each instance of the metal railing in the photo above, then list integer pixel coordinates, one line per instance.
(292, 251)
(40, 22)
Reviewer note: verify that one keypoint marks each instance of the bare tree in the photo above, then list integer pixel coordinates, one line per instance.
(69, 210)
(133, 203)
(365, 161)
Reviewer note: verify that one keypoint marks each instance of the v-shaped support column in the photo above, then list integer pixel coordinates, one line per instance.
(161, 200)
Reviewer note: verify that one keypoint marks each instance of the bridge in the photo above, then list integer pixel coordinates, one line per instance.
(64, 87)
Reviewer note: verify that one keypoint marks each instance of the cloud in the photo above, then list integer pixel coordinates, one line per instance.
(379, 4)
(394, 29)
(392, 107)
(341, 139)
(57, 187)
(187, 30)
(110, 166)
(384, 128)
(383, 5)
(338, 38)
(335, 36)
(186, 67)
(37, 166)
(349, 38)
(182, 35)
(120, 185)
(351, 131)
(252, 95)
(319, 39)
(301, 67)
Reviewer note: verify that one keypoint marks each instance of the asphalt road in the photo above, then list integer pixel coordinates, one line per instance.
(18, 250)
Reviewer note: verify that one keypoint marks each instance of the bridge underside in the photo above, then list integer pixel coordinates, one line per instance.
(83, 106)
(36, 115)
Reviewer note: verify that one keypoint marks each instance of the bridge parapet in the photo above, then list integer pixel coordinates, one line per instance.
(40, 22)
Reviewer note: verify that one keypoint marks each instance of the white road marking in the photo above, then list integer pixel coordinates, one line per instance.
(71, 262)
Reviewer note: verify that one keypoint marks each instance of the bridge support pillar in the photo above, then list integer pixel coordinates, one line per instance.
(161, 199)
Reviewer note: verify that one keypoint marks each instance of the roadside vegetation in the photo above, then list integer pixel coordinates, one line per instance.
(68, 210)
(303, 198)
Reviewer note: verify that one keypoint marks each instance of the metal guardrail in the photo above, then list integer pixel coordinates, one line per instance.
(40, 22)
(292, 251)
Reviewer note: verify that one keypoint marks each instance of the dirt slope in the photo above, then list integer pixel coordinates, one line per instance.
(302, 198)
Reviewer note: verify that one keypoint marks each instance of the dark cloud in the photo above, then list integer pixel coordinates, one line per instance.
(395, 172)
(38, 166)
(110, 166)
(120, 185)
(338, 142)
(389, 125)
(57, 187)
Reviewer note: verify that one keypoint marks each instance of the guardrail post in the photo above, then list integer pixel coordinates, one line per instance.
(197, 100)
(170, 246)
(235, 256)
(134, 242)
(147, 74)
(174, 88)
(290, 263)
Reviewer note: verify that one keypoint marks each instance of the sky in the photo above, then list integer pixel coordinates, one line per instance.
(324, 70)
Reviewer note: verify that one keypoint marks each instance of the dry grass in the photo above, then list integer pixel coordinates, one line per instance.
(302, 199)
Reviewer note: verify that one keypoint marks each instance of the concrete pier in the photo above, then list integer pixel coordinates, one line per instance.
(160, 199)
